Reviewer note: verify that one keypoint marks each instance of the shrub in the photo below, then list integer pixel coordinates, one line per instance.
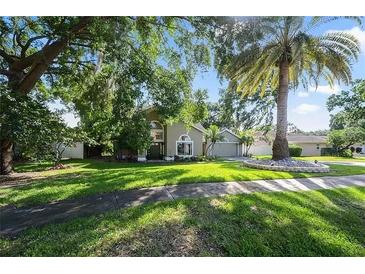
(295, 151)
(358, 150)
(345, 153)
(352, 149)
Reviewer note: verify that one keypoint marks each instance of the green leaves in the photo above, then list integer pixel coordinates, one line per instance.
(344, 138)
(352, 107)
(310, 57)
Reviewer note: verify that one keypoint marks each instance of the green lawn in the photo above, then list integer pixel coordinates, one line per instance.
(87, 177)
(313, 223)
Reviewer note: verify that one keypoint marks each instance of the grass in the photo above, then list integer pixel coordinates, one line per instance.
(321, 158)
(86, 177)
(313, 223)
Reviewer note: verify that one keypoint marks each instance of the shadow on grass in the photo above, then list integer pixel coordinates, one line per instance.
(89, 177)
(316, 223)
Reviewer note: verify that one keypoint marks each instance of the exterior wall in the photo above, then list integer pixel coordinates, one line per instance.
(261, 149)
(75, 152)
(173, 132)
(227, 149)
(310, 149)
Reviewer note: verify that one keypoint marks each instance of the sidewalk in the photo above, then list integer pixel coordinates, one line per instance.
(14, 220)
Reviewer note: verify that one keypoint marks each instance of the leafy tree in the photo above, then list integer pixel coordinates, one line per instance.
(118, 59)
(236, 112)
(62, 137)
(351, 105)
(282, 52)
(212, 136)
(342, 139)
(36, 130)
(247, 139)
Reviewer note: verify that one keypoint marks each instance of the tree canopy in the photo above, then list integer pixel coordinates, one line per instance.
(350, 105)
(105, 68)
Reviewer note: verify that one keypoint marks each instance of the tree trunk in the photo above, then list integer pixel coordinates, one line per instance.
(280, 147)
(6, 157)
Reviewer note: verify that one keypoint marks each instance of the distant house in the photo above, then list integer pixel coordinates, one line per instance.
(311, 144)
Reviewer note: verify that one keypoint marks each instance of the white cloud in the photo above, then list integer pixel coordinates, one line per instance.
(326, 89)
(303, 94)
(359, 34)
(306, 108)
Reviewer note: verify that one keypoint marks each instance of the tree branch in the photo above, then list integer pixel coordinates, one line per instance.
(6, 72)
(28, 43)
(40, 61)
(7, 57)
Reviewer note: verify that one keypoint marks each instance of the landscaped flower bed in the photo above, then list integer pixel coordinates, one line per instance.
(286, 165)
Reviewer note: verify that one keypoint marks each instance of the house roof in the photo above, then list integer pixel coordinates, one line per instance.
(307, 139)
(199, 127)
(227, 130)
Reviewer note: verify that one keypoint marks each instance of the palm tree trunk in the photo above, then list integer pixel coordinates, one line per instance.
(280, 147)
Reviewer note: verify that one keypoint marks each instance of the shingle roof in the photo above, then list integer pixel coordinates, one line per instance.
(307, 139)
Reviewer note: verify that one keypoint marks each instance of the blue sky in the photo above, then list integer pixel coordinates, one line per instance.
(306, 109)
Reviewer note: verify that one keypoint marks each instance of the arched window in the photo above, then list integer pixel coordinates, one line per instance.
(184, 137)
(184, 146)
(157, 131)
(156, 125)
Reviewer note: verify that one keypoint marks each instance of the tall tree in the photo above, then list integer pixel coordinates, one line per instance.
(282, 52)
(351, 106)
(97, 62)
(235, 112)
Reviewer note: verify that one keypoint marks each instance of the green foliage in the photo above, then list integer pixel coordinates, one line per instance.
(342, 139)
(36, 131)
(346, 153)
(295, 150)
(247, 138)
(136, 133)
(290, 39)
(233, 111)
(351, 106)
(212, 136)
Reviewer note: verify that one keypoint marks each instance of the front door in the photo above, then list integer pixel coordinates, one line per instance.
(155, 151)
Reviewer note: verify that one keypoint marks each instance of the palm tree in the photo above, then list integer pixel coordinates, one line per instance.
(212, 135)
(287, 54)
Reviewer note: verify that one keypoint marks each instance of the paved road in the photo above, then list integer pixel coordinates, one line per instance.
(14, 220)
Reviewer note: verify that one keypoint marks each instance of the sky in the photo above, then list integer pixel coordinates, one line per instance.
(306, 108)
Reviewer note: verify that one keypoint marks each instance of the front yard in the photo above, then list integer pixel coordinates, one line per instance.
(86, 177)
(313, 223)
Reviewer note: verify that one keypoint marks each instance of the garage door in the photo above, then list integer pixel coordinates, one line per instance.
(225, 149)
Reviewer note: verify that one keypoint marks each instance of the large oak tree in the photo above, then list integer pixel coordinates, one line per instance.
(104, 66)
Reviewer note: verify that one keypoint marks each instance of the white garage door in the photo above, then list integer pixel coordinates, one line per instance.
(226, 149)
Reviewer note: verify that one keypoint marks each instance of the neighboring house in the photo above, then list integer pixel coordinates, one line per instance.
(171, 140)
(230, 146)
(311, 144)
(74, 152)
